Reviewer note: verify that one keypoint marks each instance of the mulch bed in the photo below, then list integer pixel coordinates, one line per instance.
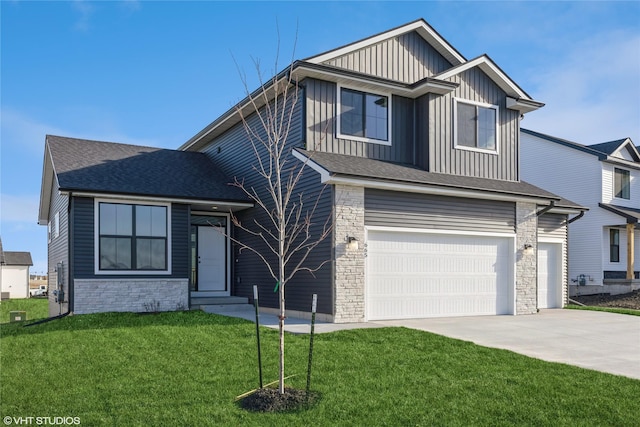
(269, 400)
(630, 300)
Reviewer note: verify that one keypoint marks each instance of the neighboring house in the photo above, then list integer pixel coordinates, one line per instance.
(416, 150)
(14, 274)
(604, 246)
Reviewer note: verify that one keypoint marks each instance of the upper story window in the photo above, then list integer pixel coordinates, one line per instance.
(132, 237)
(475, 126)
(622, 184)
(363, 116)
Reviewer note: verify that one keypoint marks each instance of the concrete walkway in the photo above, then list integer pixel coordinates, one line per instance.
(596, 340)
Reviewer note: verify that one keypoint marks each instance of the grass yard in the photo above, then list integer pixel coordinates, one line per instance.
(628, 311)
(186, 368)
(36, 308)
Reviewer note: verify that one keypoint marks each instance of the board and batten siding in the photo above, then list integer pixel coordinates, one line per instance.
(321, 109)
(58, 250)
(410, 210)
(443, 157)
(406, 58)
(233, 154)
(84, 246)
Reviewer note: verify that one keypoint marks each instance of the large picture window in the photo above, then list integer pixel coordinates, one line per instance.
(132, 237)
(363, 116)
(476, 126)
(622, 183)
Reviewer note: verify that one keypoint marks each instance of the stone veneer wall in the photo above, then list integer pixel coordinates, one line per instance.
(349, 298)
(526, 264)
(115, 294)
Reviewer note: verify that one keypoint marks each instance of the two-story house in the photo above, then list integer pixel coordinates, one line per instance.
(603, 246)
(417, 152)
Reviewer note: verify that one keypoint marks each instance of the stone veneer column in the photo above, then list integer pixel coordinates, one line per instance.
(349, 263)
(526, 264)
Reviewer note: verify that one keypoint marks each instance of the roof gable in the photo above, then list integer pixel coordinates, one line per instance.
(420, 26)
(620, 148)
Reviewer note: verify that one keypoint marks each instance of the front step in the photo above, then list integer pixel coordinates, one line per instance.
(228, 303)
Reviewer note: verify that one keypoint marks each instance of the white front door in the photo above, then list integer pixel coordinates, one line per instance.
(549, 275)
(211, 260)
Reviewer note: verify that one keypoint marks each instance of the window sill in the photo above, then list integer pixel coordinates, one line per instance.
(476, 150)
(363, 139)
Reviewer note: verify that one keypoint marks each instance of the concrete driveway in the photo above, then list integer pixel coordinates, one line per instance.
(596, 340)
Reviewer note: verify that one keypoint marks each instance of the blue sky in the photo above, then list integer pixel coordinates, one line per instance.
(155, 73)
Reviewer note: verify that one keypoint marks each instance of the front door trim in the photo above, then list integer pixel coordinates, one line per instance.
(227, 262)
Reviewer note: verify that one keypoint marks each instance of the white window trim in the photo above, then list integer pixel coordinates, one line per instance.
(96, 239)
(614, 184)
(455, 126)
(49, 232)
(56, 225)
(340, 135)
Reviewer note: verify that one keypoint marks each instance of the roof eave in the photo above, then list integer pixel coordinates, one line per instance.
(46, 186)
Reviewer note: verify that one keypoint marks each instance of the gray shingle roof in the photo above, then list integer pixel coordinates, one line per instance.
(359, 167)
(16, 258)
(608, 147)
(107, 167)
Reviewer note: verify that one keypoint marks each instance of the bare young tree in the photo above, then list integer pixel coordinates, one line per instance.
(286, 234)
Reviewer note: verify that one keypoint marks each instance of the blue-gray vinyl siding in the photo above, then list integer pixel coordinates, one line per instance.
(58, 251)
(443, 157)
(321, 126)
(411, 210)
(232, 152)
(407, 58)
(84, 245)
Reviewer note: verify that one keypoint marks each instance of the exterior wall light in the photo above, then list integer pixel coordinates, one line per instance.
(352, 243)
(528, 249)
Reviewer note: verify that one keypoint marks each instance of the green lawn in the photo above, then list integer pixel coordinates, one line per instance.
(186, 368)
(628, 311)
(36, 308)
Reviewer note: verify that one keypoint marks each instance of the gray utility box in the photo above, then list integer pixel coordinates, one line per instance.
(17, 316)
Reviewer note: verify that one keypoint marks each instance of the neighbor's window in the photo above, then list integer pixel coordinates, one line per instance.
(363, 115)
(132, 237)
(476, 125)
(622, 183)
(614, 245)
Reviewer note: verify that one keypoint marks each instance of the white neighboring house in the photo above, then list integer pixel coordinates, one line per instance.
(604, 246)
(14, 274)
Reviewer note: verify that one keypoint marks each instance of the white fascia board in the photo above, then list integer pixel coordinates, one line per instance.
(324, 174)
(426, 189)
(622, 162)
(49, 177)
(524, 106)
(422, 28)
(486, 65)
(159, 199)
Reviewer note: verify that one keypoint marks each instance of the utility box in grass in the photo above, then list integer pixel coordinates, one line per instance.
(17, 316)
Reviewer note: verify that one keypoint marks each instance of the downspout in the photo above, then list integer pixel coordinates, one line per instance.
(546, 208)
(69, 268)
(575, 218)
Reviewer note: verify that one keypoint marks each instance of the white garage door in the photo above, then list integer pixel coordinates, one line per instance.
(413, 275)
(549, 275)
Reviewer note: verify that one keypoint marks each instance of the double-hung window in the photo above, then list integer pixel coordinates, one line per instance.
(622, 183)
(475, 126)
(363, 116)
(132, 237)
(614, 245)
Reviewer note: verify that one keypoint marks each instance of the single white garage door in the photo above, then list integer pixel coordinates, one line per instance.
(414, 275)
(549, 275)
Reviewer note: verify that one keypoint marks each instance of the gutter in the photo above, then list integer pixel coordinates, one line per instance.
(575, 218)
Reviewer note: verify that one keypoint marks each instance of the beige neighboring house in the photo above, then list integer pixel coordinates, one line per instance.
(14, 274)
